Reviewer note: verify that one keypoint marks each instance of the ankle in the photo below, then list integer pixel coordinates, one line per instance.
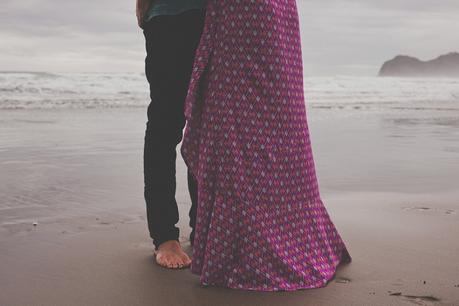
(169, 244)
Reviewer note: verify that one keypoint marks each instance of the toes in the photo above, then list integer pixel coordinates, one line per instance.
(165, 261)
(162, 261)
(173, 261)
(166, 264)
(179, 262)
(186, 260)
(170, 263)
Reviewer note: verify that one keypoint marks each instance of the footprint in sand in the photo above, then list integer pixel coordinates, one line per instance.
(417, 299)
(342, 280)
(430, 209)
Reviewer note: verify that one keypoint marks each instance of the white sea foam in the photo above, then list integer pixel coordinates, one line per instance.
(26, 90)
(71, 90)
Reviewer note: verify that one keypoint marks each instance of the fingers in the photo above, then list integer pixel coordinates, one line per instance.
(140, 20)
(142, 7)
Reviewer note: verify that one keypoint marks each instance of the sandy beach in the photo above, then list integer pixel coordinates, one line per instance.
(73, 228)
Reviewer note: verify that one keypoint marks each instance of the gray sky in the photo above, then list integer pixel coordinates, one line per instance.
(351, 37)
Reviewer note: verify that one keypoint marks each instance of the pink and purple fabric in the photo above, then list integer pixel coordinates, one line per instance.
(261, 224)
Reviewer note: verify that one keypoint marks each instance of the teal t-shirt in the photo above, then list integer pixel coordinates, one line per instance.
(173, 7)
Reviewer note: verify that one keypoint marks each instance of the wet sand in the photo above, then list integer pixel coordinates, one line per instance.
(388, 180)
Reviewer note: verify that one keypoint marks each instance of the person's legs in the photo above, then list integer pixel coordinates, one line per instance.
(171, 42)
(193, 190)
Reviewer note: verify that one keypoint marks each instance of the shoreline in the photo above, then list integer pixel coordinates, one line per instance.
(386, 180)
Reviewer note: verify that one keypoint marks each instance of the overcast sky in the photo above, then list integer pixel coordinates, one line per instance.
(352, 37)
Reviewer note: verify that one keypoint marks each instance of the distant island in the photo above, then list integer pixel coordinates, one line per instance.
(403, 66)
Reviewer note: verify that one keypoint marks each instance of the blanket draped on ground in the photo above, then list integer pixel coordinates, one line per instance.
(261, 224)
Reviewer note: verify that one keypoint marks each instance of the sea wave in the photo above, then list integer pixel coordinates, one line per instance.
(44, 90)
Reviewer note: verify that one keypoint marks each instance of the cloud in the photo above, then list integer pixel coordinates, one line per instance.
(357, 36)
(338, 36)
(68, 35)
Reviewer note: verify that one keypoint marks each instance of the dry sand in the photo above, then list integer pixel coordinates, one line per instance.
(390, 185)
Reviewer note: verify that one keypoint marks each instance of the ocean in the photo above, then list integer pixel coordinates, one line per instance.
(71, 147)
(338, 95)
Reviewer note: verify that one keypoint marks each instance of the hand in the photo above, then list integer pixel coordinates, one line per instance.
(142, 7)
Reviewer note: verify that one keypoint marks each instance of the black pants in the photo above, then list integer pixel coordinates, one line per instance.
(171, 42)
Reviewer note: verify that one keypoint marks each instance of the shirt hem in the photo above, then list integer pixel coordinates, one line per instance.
(170, 12)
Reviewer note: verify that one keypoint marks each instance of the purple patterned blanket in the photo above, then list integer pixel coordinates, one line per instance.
(261, 224)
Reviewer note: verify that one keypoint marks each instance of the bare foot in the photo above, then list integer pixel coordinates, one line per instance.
(171, 255)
